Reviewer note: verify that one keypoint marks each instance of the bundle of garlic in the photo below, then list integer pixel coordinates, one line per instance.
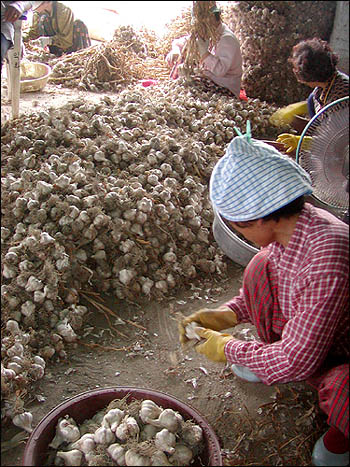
(139, 433)
(109, 196)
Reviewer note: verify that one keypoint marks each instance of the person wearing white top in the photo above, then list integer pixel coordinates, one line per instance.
(223, 63)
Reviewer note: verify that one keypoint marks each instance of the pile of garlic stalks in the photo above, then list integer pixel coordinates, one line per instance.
(109, 197)
(130, 434)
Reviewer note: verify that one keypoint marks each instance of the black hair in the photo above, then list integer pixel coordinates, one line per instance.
(289, 210)
(313, 61)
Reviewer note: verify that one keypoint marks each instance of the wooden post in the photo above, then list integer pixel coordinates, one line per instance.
(14, 78)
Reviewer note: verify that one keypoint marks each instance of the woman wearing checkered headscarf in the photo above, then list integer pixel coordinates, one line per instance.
(295, 289)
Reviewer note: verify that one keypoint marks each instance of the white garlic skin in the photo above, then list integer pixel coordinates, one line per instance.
(165, 441)
(104, 435)
(132, 458)
(85, 444)
(24, 420)
(192, 435)
(117, 453)
(148, 432)
(159, 458)
(113, 418)
(168, 419)
(71, 458)
(127, 428)
(66, 431)
(190, 331)
(182, 455)
(149, 410)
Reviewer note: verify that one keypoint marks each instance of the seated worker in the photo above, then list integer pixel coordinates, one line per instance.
(221, 65)
(56, 21)
(314, 64)
(11, 12)
(295, 289)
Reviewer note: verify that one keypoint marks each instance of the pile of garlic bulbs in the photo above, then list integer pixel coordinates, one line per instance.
(267, 32)
(110, 197)
(139, 433)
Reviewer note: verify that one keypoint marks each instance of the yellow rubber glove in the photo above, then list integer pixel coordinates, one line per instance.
(286, 114)
(214, 346)
(218, 319)
(291, 142)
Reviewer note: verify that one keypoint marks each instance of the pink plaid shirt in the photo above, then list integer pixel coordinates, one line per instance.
(311, 275)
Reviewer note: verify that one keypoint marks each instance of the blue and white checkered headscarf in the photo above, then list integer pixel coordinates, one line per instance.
(253, 179)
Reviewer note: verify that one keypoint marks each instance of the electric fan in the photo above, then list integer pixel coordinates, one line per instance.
(323, 151)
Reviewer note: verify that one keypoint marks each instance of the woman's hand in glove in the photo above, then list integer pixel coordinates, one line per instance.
(217, 319)
(214, 346)
(291, 142)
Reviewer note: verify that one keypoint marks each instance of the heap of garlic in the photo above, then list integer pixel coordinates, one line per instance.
(116, 437)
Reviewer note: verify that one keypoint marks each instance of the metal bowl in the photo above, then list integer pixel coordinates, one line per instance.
(34, 76)
(231, 244)
(85, 405)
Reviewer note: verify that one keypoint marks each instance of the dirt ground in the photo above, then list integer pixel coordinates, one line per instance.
(255, 424)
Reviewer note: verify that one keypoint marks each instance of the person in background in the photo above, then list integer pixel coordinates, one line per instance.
(314, 64)
(11, 12)
(63, 34)
(221, 65)
(295, 289)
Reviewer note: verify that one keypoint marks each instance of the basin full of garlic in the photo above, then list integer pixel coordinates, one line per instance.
(137, 433)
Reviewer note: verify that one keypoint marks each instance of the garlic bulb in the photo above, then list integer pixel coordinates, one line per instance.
(149, 410)
(182, 455)
(148, 432)
(168, 419)
(128, 428)
(191, 434)
(104, 435)
(71, 458)
(113, 418)
(85, 444)
(66, 432)
(117, 453)
(132, 458)
(24, 420)
(159, 458)
(165, 441)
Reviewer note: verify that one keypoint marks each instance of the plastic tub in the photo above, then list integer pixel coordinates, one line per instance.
(34, 76)
(85, 405)
(231, 244)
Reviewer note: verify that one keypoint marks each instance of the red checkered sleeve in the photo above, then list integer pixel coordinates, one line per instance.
(305, 339)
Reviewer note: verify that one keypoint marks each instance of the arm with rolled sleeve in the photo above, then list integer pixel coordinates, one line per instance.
(306, 338)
